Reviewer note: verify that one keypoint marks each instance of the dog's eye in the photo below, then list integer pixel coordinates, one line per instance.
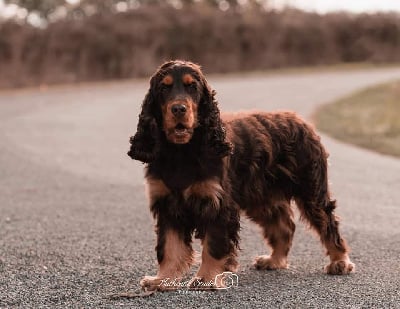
(191, 86)
(165, 87)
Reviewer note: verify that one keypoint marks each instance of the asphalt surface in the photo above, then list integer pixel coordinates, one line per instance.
(75, 226)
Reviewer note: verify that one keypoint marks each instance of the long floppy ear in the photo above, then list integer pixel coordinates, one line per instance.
(145, 143)
(215, 142)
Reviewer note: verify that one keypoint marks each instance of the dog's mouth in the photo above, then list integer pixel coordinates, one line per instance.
(181, 130)
(180, 134)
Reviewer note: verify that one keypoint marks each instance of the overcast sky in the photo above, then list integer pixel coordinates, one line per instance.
(323, 6)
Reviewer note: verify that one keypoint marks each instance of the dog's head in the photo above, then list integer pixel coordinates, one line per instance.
(178, 104)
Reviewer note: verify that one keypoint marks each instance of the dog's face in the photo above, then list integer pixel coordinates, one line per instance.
(178, 95)
(178, 106)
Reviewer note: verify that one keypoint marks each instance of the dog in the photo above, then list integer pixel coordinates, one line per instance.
(202, 172)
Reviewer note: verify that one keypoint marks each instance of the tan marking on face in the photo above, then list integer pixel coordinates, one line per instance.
(178, 257)
(156, 189)
(209, 188)
(211, 267)
(189, 120)
(168, 80)
(187, 79)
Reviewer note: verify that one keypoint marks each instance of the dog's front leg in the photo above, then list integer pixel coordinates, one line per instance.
(174, 255)
(174, 250)
(218, 256)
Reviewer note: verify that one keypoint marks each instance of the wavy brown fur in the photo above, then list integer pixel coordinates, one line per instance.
(257, 163)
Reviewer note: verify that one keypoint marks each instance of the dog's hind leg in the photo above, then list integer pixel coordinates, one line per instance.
(323, 220)
(317, 208)
(276, 220)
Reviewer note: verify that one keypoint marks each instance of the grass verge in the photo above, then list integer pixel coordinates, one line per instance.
(369, 118)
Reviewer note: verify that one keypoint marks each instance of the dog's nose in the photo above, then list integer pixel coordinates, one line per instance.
(178, 109)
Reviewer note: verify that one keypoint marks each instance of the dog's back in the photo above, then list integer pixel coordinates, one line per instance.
(274, 152)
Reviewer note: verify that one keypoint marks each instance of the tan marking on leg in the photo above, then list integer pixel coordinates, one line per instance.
(326, 226)
(178, 257)
(340, 262)
(156, 189)
(209, 188)
(280, 249)
(211, 267)
(278, 234)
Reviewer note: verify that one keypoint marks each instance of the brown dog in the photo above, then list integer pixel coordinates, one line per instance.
(202, 171)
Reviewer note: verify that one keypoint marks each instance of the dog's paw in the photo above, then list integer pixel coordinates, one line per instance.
(267, 262)
(341, 267)
(153, 283)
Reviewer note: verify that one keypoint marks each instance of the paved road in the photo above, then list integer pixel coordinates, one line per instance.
(74, 223)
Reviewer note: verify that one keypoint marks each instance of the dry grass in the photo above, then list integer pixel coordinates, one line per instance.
(370, 118)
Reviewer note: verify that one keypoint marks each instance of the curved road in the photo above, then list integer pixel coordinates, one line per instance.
(75, 227)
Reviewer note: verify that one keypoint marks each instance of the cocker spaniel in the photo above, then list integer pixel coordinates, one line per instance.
(203, 171)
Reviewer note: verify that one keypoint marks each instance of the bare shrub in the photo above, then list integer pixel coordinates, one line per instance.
(132, 44)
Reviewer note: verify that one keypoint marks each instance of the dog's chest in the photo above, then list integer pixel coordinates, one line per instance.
(181, 173)
(177, 177)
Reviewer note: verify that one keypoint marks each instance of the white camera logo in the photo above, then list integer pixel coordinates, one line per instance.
(226, 280)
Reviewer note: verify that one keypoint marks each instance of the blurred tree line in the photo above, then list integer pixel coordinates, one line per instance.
(109, 39)
(84, 8)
